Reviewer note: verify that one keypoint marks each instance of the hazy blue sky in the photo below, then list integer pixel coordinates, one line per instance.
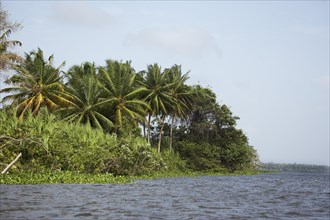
(267, 60)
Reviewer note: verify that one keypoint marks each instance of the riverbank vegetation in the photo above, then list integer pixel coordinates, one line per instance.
(71, 177)
(65, 177)
(50, 144)
(112, 120)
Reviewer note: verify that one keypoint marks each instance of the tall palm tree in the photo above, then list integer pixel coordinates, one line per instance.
(119, 80)
(87, 93)
(181, 95)
(36, 83)
(157, 96)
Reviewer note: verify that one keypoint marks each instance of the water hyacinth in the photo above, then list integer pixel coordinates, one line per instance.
(64, 177)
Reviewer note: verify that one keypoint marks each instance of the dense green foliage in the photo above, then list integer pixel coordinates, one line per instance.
(50, 145)
(209, 139)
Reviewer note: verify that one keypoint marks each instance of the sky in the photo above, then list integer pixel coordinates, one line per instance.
(267, 60)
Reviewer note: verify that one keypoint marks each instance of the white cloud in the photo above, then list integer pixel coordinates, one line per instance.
(184, 41)
(309, 29)
(84, 14)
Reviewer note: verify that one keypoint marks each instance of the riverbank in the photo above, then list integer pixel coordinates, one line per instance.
(67, 177)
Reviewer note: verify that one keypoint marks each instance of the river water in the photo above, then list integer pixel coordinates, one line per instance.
(265, 196)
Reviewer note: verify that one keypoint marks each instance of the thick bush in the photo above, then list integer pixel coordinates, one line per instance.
(47, 144)
(204, 156)
(239, 157)
(199, 156)
(132, 156)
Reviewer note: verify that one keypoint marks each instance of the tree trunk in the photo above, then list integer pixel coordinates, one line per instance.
(160, 132)
(144, 130)
(149, 118)
(12, 163)
(171, 133)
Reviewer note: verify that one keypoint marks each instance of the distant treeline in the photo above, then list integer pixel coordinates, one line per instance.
(295, 167)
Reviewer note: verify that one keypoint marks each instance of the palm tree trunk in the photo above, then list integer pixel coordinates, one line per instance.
(149, 118)
(144, 129)
(161, 131)
(171, 134)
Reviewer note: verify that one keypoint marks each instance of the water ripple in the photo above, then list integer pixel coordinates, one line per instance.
(271, 196)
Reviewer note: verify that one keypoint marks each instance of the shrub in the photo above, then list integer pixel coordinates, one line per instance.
(239, 157)
(48, 144)
(199, 156)
(133, 156)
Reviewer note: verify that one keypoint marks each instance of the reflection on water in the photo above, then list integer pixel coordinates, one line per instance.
(273, 196)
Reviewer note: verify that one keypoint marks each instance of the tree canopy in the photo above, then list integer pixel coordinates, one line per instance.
(36, 83)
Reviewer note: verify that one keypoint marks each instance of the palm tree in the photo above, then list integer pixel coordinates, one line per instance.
(7, 58)
(87, 93)
(36, 83)
(77, 72)
(119, 80)
(181, 95)
(157, 96)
